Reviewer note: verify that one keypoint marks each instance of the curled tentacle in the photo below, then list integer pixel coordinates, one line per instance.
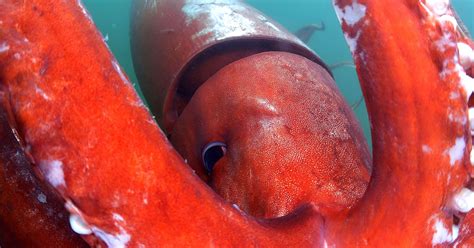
(416, 94)
(95, 142)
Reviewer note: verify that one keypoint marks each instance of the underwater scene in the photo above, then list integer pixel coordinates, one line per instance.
(227, 123)
(112, 18)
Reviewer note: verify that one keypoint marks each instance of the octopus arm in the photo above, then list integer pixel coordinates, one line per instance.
(416, 95)
(123, 183)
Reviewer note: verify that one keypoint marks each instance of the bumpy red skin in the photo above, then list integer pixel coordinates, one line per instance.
(291, 138)
(28, 208)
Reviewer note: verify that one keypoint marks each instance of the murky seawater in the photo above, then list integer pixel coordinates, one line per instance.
(112, 18)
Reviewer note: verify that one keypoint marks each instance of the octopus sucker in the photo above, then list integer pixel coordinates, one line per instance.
(432, 185)
(258, 147)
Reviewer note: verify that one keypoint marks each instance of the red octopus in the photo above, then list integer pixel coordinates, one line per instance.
(264, 150)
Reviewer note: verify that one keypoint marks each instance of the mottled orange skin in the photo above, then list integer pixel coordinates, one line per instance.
(291, 138)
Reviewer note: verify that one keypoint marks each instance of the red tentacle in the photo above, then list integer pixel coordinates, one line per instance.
(418, 110)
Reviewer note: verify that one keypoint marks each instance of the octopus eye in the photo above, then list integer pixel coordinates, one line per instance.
(211, 153)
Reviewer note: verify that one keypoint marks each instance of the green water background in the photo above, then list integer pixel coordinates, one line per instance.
(112, 18)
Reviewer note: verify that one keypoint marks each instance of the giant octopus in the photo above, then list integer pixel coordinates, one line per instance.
(258, 148)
